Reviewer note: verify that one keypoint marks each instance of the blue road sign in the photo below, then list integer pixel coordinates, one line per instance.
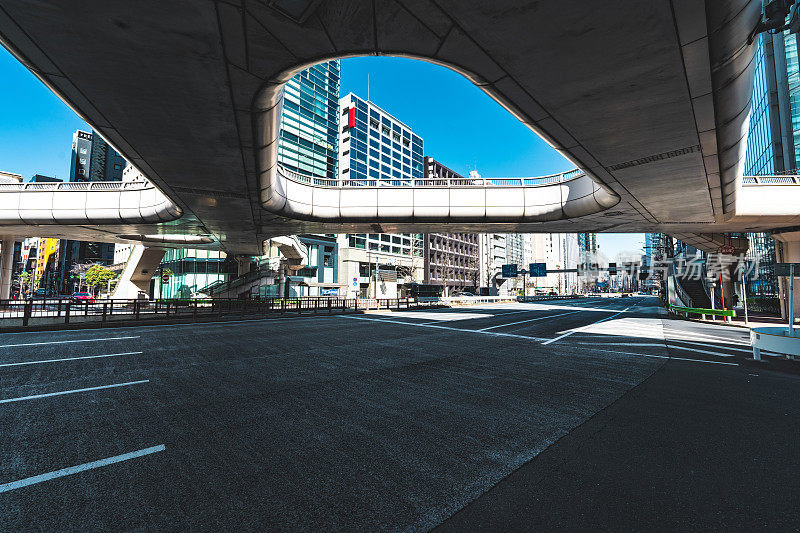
(537, 270)
(509, 271)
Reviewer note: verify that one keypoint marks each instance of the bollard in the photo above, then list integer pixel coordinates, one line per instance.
(26, 312)
(66, 312)
(105, 310)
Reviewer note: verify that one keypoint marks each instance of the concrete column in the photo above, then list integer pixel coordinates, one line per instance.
(243, 263)
(790, 242)
(729, 287)
(7, 266)
(281, 280)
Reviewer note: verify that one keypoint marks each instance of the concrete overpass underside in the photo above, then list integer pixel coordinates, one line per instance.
(650, 99)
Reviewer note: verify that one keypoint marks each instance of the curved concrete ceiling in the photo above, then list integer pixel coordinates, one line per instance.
(650, 99)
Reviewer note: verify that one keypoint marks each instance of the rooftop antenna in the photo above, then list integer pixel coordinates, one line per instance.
(368, 100)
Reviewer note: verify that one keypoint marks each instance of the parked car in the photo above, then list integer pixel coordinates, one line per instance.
(463, 293)
(83, 297)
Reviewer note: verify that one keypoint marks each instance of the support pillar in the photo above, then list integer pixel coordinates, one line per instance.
(790, 247)
(6, 266)
(282, 280)
(729, 288)
(243, 263)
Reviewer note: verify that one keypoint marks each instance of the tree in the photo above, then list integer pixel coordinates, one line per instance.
(98, 276)
(24, 282)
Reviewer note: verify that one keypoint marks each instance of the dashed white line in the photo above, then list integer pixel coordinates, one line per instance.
(69, 341)
(73, 391)
(5, 487)
(22, 363)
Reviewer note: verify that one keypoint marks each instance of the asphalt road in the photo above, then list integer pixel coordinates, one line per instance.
(598, 413)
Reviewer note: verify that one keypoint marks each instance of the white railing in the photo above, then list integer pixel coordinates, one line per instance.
(435, 182)
(771, 180)
(75, 186)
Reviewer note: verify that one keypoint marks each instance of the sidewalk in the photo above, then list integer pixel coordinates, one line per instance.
(756, 319)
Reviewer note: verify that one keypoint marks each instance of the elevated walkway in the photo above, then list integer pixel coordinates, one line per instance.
(73, 203)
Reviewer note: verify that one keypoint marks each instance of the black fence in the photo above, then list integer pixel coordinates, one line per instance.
(52, 311)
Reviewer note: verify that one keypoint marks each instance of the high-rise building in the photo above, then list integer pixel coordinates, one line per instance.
(309, 122)
(560, 252)
(452, 260)
(587, 243)
(92, 160)
(771, 147)
(375, 146)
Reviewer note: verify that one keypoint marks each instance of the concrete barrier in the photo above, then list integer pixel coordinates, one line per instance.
(774, 339)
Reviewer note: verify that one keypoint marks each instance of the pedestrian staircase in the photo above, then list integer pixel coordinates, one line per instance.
(696, 291)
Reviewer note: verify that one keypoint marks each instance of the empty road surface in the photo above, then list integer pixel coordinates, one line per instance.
(592, 413)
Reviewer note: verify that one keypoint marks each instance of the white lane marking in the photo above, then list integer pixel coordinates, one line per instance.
(219, 322)
(529, 320)
(698, 350)
(670, 357)
(493, 333)
(707, 346)
(531, 310)
(5, 487)
(65, 342)
(73, 391)
(700, 336)
(67, 359)
(648, 344)
(570, 332)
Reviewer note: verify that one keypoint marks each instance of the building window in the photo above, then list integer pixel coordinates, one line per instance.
(81, 171)
(83, 150)
(83, 161)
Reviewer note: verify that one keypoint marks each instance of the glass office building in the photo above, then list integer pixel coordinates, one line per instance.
(309, 124)
(377, 147)
(760, 159)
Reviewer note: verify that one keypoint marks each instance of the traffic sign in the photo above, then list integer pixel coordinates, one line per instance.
(537, 270)
(509, 271)
(612, 268)
(165, 278)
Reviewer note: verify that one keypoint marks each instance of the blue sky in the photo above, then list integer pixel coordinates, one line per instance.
(462, 127)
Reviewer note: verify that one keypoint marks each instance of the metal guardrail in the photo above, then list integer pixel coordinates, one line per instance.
(773, 179)
(55, 311)
(75, 186)
(525, 299)
(698, 311)
(435, 182)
